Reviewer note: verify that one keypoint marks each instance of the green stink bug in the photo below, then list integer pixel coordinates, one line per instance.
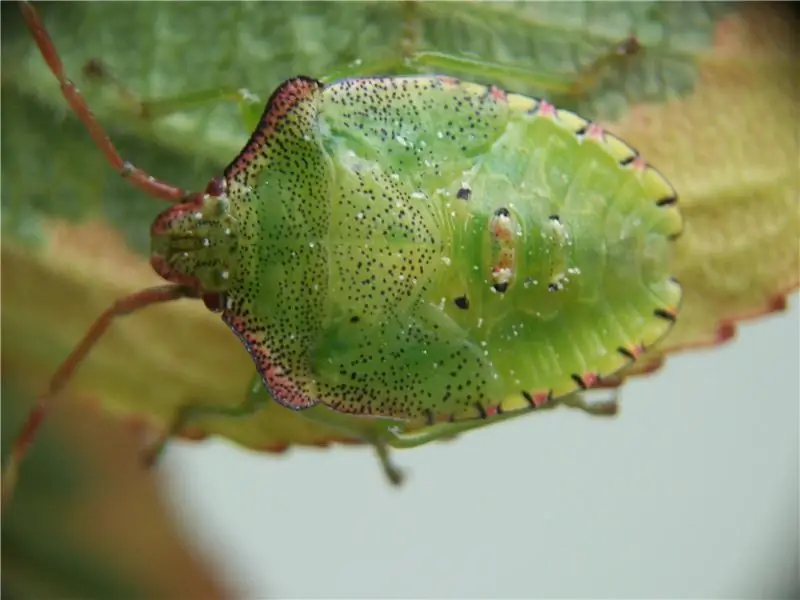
(417, 249)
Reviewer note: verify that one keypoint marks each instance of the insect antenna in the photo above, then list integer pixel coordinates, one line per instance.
(139, 178)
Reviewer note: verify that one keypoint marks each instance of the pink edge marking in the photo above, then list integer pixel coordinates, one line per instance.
(639, 164)
(491, 409)
(590, 379)
(545, 109)
(497, 94)
(283, 388)
(540, 398)
(595, 132)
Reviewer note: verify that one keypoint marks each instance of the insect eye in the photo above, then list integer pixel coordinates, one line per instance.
(215, 301)
(216, 187)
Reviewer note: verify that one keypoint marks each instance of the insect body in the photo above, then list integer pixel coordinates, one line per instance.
(420, 252)
(432, 250)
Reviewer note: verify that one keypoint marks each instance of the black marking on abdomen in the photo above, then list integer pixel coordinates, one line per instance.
(579, 380)
(664, 314)
(667, 201)
(528, 398)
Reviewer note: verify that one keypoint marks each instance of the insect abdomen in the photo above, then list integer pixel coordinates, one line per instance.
(560, 255)
(478, 252)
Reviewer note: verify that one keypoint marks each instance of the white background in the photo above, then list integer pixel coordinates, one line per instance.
(691, 492)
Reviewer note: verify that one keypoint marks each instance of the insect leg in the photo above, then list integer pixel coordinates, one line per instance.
(393, 473)
(250, 105)
(589, 76)
(560, 84)
(254, 401)
(443, 431)
(151, 186)
(37, 415)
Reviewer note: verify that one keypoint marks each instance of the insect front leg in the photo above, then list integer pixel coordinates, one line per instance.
(393, 473)
(574, 85)
(250, 105)
(254, 401)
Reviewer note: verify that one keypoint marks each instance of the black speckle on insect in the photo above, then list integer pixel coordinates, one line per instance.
(555, 218)
(667, 201)
(579, 381)
(464, 193)
(502, 212)
(354, 319)
(462, 302)
(628, 160)
(626, 353)
(501, 287)
(664, 314)
(554, 287)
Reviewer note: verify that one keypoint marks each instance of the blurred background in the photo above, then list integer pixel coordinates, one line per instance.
(691, 492)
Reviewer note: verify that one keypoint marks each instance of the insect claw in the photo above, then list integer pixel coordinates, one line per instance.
(394, 474)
